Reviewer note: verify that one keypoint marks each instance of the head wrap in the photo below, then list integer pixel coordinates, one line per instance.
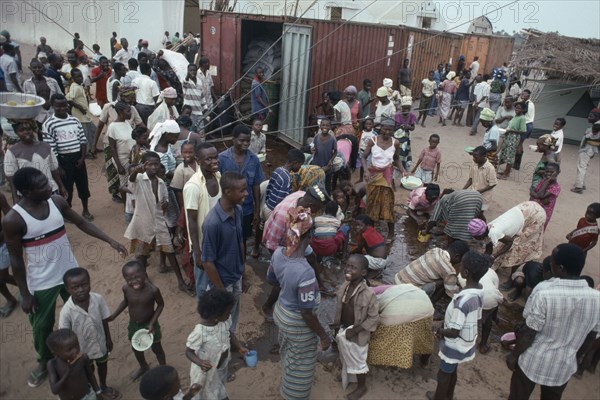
(169, 93)
(477, 227)
(126, 90)
(382, 92)
(118, 46)
(299, 221)
(406, 101)
(548, 140)
(487, 115)
(351, 89)
(450, 75)
(319, 192)
(388, 83)
(169, 126)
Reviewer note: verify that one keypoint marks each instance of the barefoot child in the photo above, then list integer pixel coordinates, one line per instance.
(427, 168)
(86, 314)
(139, 297)
(184, 171)
(209, 344)
(162, 383)
(371, 242)
(70, 371)
(258, 140)
(365, 137)
(148, 226)
(458, 335)
(357, 315)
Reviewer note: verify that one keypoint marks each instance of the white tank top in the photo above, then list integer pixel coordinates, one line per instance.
(47, 247)
(381, 158)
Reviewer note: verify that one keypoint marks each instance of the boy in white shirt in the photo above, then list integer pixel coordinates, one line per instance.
(558, 134)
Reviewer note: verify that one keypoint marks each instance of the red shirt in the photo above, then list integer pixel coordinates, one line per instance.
(101, 95)
(372, 238)
(585, 234)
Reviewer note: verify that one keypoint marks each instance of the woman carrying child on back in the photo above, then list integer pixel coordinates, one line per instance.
(209, 345)
(385, 151)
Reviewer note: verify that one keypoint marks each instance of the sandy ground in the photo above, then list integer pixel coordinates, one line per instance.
(485, 378)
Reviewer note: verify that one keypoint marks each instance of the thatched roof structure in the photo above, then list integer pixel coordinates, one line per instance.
(560, 57)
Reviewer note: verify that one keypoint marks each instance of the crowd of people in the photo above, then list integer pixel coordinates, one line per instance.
(206, 211)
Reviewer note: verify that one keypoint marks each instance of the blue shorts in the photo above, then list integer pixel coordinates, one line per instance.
(447, 368)
(4, 257)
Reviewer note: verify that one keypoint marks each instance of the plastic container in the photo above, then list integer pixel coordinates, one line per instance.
(142, 340)
(251, 358)
(411, 182)
(20, 110)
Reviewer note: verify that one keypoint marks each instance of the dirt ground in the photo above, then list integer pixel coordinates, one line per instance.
(487, 377)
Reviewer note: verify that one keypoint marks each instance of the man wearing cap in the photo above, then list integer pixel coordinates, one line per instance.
(43, 48)
(274, 233)
(587, 149)
(166, 108)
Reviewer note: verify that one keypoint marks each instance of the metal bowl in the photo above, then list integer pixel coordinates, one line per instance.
(21, 110)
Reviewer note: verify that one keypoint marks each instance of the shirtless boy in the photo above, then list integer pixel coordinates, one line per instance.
(139, 297)
(70, 371)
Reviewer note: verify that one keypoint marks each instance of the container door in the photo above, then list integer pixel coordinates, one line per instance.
(295, 64)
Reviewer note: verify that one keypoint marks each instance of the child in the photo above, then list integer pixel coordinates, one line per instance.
(140, 135)
(559, 136)
(258, 140)
(372, 242)
(586, 233)
(429, 161)
(458, 335)
(70, 371)
(365, 137)
(162, 383)
(139, 297)
(184, 171)
(492, 298)
(405, 120)
(587, 150)
(78, 100)
(547, 190)
(324, 149)
(5, 277)
(339, 197)
(209, 344)
(86, 314)
(328, 237)
(357, 315)
(421, 202)
(149, 226)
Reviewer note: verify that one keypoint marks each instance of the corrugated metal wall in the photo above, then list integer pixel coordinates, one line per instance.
(353, 52)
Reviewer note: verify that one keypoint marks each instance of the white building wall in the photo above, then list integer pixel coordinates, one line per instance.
(94, 20)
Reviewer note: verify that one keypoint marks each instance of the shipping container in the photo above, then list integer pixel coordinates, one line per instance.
(492, 51)
(318, 56)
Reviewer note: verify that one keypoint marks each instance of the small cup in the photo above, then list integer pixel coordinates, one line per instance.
(251, 358)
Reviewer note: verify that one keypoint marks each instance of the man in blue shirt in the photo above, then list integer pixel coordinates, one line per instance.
(222, 242)
(279, 187)
(242, 161)
(53, 71)
(258, 96)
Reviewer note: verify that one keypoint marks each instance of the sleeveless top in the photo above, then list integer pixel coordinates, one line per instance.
(381, 158)
(47, 248)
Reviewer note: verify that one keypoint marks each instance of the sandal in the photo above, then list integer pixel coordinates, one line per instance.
(37, 377)
(87, 215)
(110, 393)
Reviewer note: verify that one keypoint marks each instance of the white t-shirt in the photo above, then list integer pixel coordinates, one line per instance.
(364, 139)
(344, 110)
(121, 133)
(428, 87)
(560, 137)
(147, 90)
(508, 224)
(122, 56)
(482, 90)
(474, 69)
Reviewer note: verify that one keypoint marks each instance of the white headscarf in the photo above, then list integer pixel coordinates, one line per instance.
(169, 126)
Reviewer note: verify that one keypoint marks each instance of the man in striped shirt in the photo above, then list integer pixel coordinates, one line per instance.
(435, 271)
(193, 94)
(65, 135)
